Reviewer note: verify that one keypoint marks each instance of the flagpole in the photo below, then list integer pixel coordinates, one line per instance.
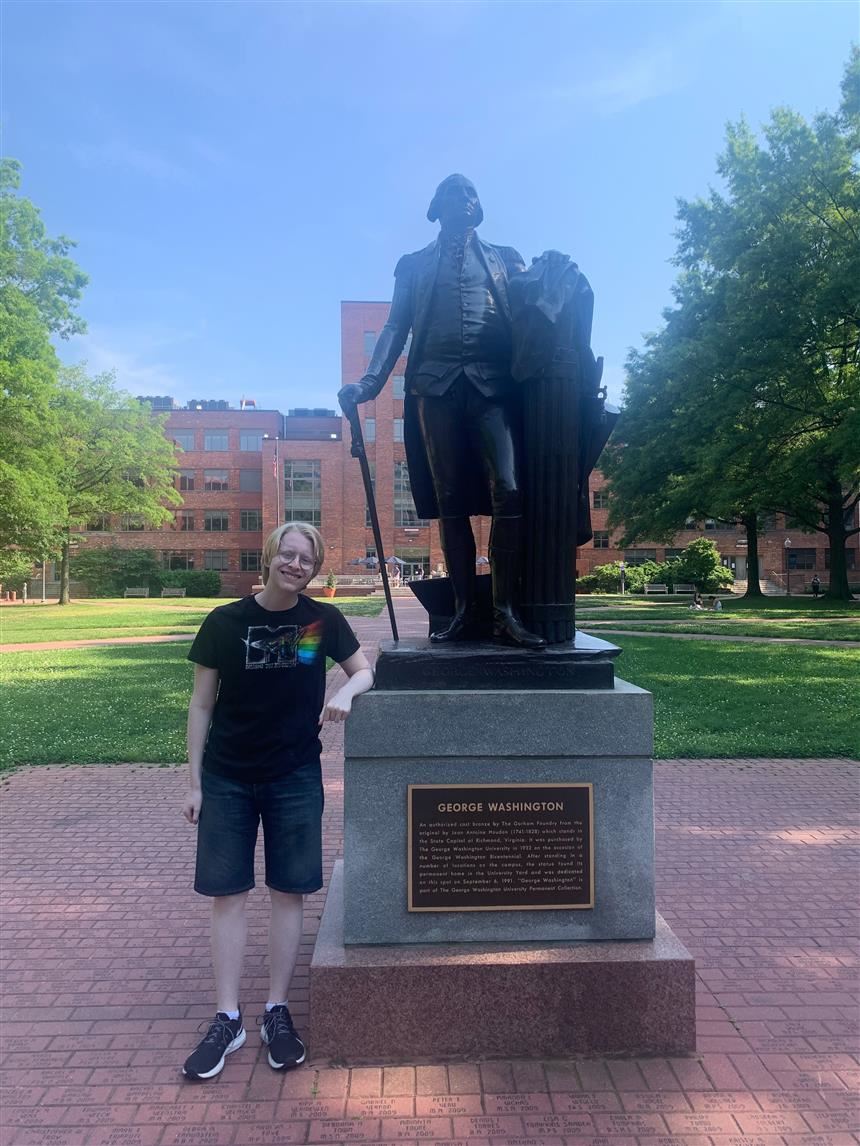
(277, 483)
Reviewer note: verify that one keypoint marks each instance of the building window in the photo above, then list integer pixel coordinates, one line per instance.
(186, 480)
(801, 558)
(215, 480)
(850, 558)
(250, 520)
(369, 342)
(131, 523)
(215, 559)
(251, 481)
(184, 439)
(712, 523)
(302, 491)
(185, 521)
(669, 553)
(639, 556)
(398, 382)
(404, 507)
(690, 523)
(601, 539)
(216, 521)
(99, 524)
(370, 429)
(251, 440)
(600, 499)
(250, 561)
(398, 429)
(177, 559)
(216, 440)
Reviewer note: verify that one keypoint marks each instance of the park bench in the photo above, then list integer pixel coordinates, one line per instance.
(173, 591)
(139, 591)
(685, 588)
(653, 587)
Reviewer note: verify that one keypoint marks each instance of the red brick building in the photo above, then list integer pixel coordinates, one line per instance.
(244, 470)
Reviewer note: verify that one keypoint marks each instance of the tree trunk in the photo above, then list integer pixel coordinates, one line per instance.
(837, 535)
(753, 578)
(64, 572)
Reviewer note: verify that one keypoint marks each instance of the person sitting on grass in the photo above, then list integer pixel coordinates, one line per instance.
(254, 755)
(697, 602)
(716, 604)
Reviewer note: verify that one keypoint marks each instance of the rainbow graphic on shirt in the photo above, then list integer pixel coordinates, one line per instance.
(309, 642)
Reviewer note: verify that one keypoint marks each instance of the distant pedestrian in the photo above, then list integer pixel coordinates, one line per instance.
(816, 585)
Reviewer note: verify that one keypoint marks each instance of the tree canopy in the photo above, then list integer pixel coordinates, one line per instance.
(747, 401)
(116, 459)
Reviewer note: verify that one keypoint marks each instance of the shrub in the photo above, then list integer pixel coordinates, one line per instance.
(108, 572)
(16, 568)
(195, 582)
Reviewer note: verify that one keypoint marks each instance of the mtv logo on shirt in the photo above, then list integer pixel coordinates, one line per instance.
(282, 646)
(271, 646)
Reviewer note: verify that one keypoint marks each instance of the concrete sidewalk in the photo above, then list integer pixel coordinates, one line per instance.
(106, 975)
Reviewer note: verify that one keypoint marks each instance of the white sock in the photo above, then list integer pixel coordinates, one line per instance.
(271, 1006)
(230, 1014)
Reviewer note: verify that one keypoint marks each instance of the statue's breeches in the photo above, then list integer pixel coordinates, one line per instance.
(456, 427)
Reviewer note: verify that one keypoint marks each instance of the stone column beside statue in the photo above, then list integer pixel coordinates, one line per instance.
(566, 424)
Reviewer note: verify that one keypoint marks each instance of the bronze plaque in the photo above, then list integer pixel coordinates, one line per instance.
(500, 847)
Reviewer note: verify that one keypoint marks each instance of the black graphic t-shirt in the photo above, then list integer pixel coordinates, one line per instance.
(272, 686)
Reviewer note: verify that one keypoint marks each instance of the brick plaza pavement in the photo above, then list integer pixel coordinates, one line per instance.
(106, 977)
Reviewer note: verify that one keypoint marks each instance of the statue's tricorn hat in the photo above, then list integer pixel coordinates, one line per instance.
(433, 209)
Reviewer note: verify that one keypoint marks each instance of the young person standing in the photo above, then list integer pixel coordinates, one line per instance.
(254, 756)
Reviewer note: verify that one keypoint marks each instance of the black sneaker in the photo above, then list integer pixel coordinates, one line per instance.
(279, 1034)
(224, 1036)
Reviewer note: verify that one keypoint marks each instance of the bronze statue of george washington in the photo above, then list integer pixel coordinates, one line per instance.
(462, 426)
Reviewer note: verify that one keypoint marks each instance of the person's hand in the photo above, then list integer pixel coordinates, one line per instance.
(338, 708)
(352, 395)
(191, 805)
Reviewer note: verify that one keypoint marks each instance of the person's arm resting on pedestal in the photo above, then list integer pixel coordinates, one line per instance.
(360, 680)
(389, 345)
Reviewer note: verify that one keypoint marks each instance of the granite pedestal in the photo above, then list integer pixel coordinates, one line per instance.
(609, 978)
(600, 737)
(448, 1002)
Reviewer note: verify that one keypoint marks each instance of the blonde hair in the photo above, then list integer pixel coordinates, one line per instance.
(273, 544)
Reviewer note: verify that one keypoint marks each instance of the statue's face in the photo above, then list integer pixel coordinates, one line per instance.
(458, 205)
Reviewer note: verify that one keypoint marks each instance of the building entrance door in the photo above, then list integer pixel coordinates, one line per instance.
(741, 567)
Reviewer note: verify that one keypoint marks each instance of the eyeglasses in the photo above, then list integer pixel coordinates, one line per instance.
(289, 557)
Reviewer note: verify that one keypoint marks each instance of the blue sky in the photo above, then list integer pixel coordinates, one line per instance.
(231, 171)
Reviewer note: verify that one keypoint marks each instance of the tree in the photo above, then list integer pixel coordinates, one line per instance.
(748, 400)
(39, 289)
(116, 459)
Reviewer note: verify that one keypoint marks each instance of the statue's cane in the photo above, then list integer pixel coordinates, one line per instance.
(357, 450)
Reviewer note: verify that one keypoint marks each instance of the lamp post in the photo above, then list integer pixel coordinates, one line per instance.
(621, 568)
(786, 546)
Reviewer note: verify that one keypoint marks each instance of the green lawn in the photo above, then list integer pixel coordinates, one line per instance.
(818, 629)
(128, 703)
(88, 620)
(717, 698)
(789, 617)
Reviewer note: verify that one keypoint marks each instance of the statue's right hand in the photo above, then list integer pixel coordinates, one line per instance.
(353, 394)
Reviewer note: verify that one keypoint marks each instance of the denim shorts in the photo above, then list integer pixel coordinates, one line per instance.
(291, 812)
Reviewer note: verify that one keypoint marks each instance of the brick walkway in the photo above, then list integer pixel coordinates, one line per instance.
(106, 971)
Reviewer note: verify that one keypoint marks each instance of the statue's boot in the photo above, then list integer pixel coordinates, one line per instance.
(505, 561)
(458, 545)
